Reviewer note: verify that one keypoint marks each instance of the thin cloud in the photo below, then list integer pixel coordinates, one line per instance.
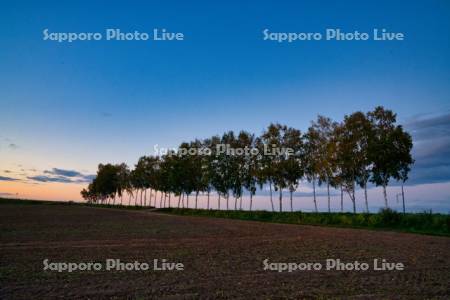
(431, 151)
(62, 172)
(41, 178)
(421, 123)
(62, 176)
(4, 178)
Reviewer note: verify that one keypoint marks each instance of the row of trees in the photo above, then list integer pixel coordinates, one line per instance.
(363, 148)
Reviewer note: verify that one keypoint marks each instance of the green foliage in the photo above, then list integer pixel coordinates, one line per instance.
(343, 155)
(387, 219)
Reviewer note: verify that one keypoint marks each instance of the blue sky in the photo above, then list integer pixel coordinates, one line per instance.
(71, 106)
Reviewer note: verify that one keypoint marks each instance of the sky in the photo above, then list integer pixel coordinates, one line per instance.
(66, 107)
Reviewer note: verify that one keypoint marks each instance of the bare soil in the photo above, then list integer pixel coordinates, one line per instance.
(222, 258)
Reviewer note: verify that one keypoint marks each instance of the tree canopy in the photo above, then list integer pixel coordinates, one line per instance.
(364, 147)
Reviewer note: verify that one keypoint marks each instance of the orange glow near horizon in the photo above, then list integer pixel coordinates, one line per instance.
(41, 191)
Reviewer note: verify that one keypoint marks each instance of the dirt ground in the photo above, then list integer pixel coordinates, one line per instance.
(222, 258)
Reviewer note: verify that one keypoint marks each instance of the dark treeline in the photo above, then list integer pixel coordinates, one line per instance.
(363, 148)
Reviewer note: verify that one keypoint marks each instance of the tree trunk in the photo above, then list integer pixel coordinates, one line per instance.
(182, 200)
(228, 198)
(145, 198)
(179, 200)
(342, 199)
(160, 200)
(314, 194)
(142, 192)
(235, 203)
(271, 200)
(196, 199)
(328, 192)
(251, 200)
(403, 199)
(218, 202)
(240, 203)
(169, 201)
(354, 200)
(208, 201)
(365, 197)
(129, 199)
(292, 207)
(385, 196)
(281, 200)
(187, 200)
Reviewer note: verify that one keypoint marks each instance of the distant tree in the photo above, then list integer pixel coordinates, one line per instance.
(272, 138)
(228, 167)
(360, 129)
(264, 170)
(243, 167)
(322, 132)
(191, 169)
(124, 183)
(91, 194)
(250, 165)
(389, 149)
(135, 183)
(403, 142)
(218, 170)
(292, 166)
(194, 163)
(208, 168)
(348, 157)
(312, 158)
(336, 180)
(290, 169)
(176, 173)
(142, 180)
(268, 172)
(106, 181)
